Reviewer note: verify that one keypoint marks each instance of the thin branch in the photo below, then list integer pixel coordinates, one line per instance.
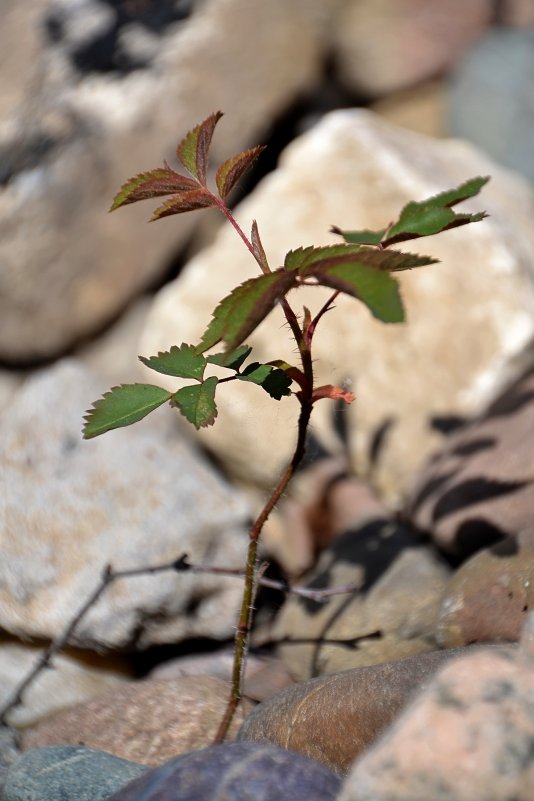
(180, 565)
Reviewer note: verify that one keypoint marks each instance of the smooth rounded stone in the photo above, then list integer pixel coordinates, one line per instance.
(489, 596)
(132, 498)
(390, 615)
(385, 45)
(77, 676)
(9, 752)
(489, 101)
(517, 12)
(81, 130)
(478, 487)
(333, 718)
(465, 326)
(467, 736)
(235, 772)
(147, 721)
(69, 772)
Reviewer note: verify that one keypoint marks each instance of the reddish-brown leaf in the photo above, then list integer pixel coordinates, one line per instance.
(155, 183)
(335, 393)
(234, 168)
(194, 148)
(185, 201)
(257, 247)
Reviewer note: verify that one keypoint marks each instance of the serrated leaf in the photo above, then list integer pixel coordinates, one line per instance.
(375, 288)
(122, 406)
(232, 360)
(185, 201)
(435, 214)
(240, 312)
(182, 362)
(234, 168)
(257, 247)
(301, 258)
(154, 183)
(194, 148)
(275, 382)
(364, 237)
(197, 402)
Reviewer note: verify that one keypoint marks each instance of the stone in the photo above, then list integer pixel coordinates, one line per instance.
(75, 677)
(489, 97)
(489, 596)
(135, 497)
(517, 12)
(147, 721)
(106, 103)
(420, 108)
(391, 613)
(265, 675)
(68, 772)
(386, 45)
(9, 752)
(468, 318)
(467, 736)
(333, 718)
(478, 487)
(235, 772)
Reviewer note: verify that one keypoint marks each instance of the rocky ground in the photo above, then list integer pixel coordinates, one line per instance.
(419, 682)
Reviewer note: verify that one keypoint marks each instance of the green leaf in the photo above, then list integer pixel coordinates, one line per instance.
(185, 201)
(194, 148)
(161, 181)
(375, 288)
(232, 360)
(122, 406)
(433, 215)
(364, 237)
(384, 260)
(234, 168)
(240, 312)
(197, 402)
(301, 258)
(183, 362)
(275, 382)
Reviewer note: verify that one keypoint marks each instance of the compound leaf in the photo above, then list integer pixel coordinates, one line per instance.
(122, 406)
(182, 362)
(435, 214)
(185, 201)
(234, 168)
(197, 402)
(194, 148)
(240, 312)
(161, 181)
(274, 381)
(375, 288)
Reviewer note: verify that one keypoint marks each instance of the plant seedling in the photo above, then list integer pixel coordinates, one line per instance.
(361, 265)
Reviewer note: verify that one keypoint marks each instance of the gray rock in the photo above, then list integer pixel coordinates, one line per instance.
(68, 772)
(132, 498)
(235, 772)
(490, 100)
(9, 752)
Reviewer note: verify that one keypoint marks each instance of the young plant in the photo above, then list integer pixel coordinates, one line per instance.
(362, 266)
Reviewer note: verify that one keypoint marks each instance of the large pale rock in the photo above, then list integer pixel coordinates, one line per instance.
(75, 677)
(467, 736)
(468, 317)
(385, 45)
(146, 721)
(479, 486)
(67, 267)
(136, 497)
(390, 615)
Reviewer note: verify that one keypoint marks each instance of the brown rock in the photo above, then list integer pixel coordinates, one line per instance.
(390, 615)
(489, 596)
(467, 737)
(147, 721)
(517, 12)
(480, 486)
(333, 718)
(385, 45)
